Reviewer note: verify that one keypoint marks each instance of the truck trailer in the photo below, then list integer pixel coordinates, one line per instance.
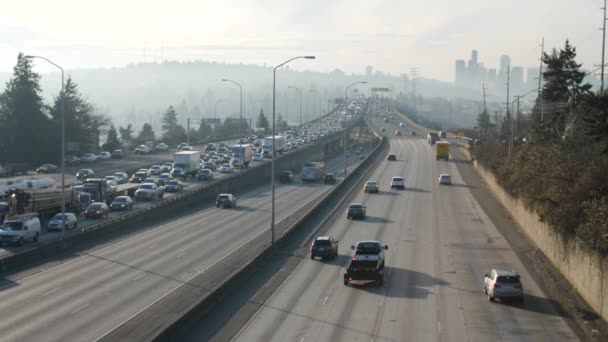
(45, 202)
(313, 172)
(186, 163)
(442, 150)
(279, 147)
(241, 154)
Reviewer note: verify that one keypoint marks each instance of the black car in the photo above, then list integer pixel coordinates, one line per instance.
(210, 165)
(324, 247)
(117, 154)
(286, 177)
(138, 177)
(122, 203)
(392, 156)
(174, 186)
(329, 178)
(413, 133)
(356, 210)
(204, 174)
(164, 178)
(226, 201)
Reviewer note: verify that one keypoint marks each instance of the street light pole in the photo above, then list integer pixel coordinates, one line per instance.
(215, 113)
(345, 108)
(240, 124)
(62, 142)
(274, 154)
(299, 91)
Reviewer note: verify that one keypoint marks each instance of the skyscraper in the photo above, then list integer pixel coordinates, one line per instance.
(505, 63)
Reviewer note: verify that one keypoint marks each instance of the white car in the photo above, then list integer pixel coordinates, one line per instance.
(257, 157)
(55, 223)
(88, 158)
(445, 179)
(104, 156)
(226, 168)
(398, 183)
(162, 147)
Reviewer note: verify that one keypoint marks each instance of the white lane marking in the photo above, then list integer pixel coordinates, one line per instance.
(153, 246)
(139, 276)
(302, 339)
(439, 327)
(80, 308)
(211, 238)
(108, 266)
(325, 300)
(51, 291)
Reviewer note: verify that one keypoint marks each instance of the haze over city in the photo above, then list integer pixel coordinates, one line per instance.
(391, 35)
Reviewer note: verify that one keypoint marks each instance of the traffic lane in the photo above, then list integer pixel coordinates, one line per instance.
(149, 255)
(309, 305)
(432, 290)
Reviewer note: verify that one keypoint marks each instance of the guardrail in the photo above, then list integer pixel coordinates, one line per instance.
(169, 327)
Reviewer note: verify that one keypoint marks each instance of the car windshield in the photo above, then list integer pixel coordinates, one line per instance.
(368, 248)
(12, 225)
(57, 217)
(371, 183)
(179, 166)
(322, 243)
(223, 197)
(172, 182)
(355, 206)
(140, 174)
(120, 199)
(95, 206)
(155, 167)
(146, 186)
(163, 176)
(397, 179)
(205, 171)
(507, 279)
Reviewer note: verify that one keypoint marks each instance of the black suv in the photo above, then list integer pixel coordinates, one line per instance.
(356, 210)
(138, 177)
(329, 178)
(286, 177)
(392, 156)
(324, 247)
(226, 201)
(367, 263)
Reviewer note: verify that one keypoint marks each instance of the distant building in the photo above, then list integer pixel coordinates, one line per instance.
(491, 75)
(461, 72)
(517, 78)
(505, 63)
(369, 70)
(532, 76)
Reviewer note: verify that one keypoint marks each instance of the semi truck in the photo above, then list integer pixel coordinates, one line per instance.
(313, 172)
(442, 150)
(99, 190)
(185, 163)
(45, 202)
(432, 138)
(241, 154)
(279, 147)
(36, 183)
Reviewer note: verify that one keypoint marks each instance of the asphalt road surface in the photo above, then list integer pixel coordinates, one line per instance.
(89, 295)
(441, 243)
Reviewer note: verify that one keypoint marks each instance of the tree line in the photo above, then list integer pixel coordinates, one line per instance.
(30, 129)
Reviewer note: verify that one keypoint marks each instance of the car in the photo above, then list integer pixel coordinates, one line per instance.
(56, 222)
(222, 145)
(398, 133)
(382, 129)
(204, 174)
(155, 170)
(151, 180)
(47, 168)
(164, 178)
(226, 168)
(216, 159)
(162, 147)
(142, 149)
(503, 285)
(104, 156)
(111, 178)
(401, 124)
(111, 186)
(366, 263)
(71, 159)
(412, 133)
(286, 177)
(139, 176)
(181, 146)
(84, 174)
(329, 178)
(122, 203)
(209, 165)
(187, 148)
(174, 186)
(391, 156)
(371, 187)
(225, 201)
(122, 177)
(445, 179)
(88, 158)
(324, 247)
(257, 157)
(356, 210)
(117, 154)
(16, 231)
(97, 210)
(210, 147)
(148, 191)
(398, 183)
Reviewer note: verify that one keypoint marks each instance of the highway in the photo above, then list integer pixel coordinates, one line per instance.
(89, 295)
(441, 243)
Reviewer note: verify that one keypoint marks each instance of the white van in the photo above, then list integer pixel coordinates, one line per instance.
(19, 229)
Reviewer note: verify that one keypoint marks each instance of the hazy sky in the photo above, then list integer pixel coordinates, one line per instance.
(390, 35)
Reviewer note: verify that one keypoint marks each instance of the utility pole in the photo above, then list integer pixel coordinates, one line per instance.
(509, 118)
(517, 115)
(483, 90)
(603, 46)
(188, 131)
(540, 80)
(414, 73)
(404, 76)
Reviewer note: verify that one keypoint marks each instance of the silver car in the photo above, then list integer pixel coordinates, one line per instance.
(503, 284)
(71, 222)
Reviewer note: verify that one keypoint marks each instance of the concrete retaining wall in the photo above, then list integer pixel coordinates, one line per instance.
(586, 271)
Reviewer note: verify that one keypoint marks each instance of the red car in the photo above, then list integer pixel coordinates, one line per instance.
(97, 210)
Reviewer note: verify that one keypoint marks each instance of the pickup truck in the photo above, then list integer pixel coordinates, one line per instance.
(503, 285)
(367, 263)
(148, 191)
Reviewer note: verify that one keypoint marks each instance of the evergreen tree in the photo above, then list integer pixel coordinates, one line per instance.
(173, 132)
(263, 121)
(27, 134)
(281, 123)
(483, 123)
(204, 130)
(112, 142)
(82, 123)
(594, 111)
(126, 134)
(146, 134)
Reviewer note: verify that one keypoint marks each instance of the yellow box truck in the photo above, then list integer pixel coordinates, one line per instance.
(442, 150)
